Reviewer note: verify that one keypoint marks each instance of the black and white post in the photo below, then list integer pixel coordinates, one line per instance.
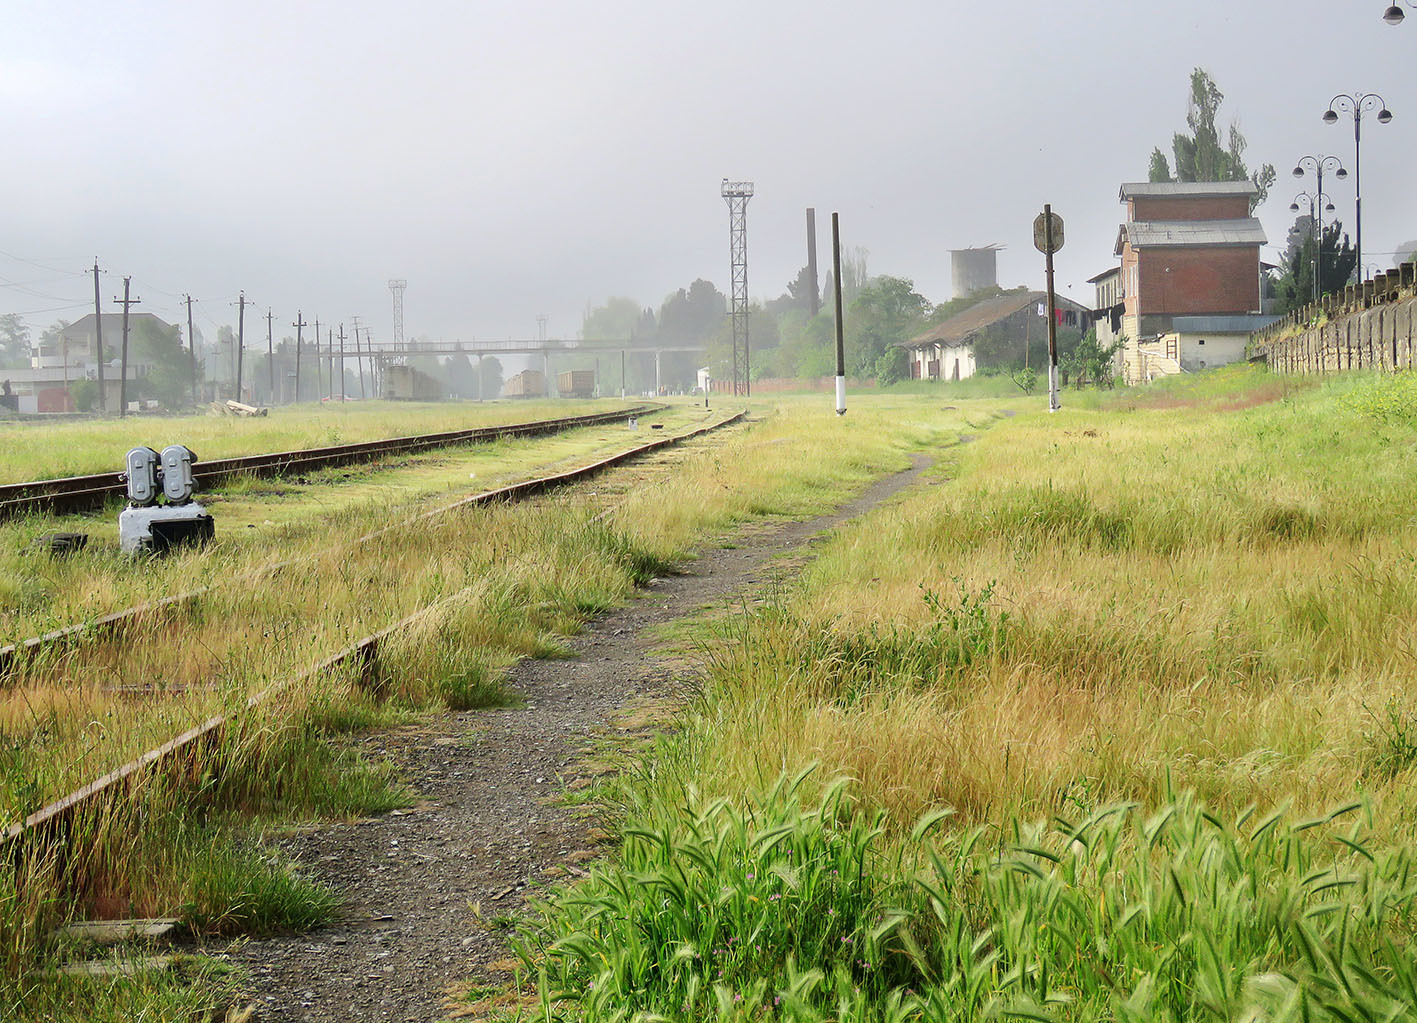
(1048, 239)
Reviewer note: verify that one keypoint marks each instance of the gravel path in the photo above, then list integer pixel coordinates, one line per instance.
(489, 820)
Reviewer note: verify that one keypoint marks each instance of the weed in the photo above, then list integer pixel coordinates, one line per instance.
(1392, 744)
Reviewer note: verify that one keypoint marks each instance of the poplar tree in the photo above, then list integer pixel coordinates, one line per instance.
(1203, 155)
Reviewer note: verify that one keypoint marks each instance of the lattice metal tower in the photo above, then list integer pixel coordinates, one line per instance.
(737, 194)
(396, 286)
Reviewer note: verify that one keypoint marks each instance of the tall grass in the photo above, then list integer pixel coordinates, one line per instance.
(1177, 635)
(480, 588)
(767, 910)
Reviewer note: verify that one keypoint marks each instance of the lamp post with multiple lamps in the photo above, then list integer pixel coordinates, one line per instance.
(1357, 106)
(1317, 204)
(1394, 15)
(1318, 165)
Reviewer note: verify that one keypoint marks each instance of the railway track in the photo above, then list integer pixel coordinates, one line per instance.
(84, 493)
(51, 821)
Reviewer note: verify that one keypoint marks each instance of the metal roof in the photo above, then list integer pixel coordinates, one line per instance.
(1243, 324)
(958, 329)
(1188, 189)
(1104, 275)
(1194, 233)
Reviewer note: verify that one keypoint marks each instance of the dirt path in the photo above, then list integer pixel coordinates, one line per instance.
(488, 820)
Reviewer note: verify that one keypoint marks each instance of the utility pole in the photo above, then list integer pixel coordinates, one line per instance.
(330, 346)
(815, 298)
(358, 361)
(840, 335)
(342, 397)
(192, 348)
(271, 354)
(125, 302)
(98, 339)
(240, 339)
(319, 378)
(299, 325)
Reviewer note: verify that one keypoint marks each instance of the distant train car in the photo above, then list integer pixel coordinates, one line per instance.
(529, 383)
(404, 383)
(576, 383)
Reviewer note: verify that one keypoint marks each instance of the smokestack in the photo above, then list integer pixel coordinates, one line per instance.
(816, 295)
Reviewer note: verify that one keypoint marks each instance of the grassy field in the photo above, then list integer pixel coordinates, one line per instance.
(1117, 721)
(498, 583)
(40, 450)
(258, 520)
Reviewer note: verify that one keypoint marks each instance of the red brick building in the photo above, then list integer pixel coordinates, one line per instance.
(1190, 255)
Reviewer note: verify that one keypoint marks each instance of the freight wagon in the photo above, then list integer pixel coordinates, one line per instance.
(576, 383)
(529, 383)
(404, 383)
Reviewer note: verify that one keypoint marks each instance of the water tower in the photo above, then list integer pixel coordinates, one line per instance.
(974, 269)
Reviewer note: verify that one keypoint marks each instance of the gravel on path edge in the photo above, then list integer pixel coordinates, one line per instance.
(420, 884)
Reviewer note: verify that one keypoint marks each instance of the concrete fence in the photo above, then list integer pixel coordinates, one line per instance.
(1372, 325)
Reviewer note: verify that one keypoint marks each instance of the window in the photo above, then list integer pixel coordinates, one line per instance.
(1201, 341)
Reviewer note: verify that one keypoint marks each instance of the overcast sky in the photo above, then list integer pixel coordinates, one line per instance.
(516, 158)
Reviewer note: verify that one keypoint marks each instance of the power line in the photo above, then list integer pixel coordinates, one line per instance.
(42, 266)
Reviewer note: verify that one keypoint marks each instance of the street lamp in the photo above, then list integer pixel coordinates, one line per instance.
(1319, 164)
(1394, 15)
(1356, 105)
(1317, 204)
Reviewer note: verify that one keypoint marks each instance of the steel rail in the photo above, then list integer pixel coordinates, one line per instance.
(13, 652)
(82, 493)
(51, 819)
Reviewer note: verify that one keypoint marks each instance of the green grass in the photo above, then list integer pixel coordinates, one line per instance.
(1136, 653)
(40, 450)
(483, 587)
(765, 909)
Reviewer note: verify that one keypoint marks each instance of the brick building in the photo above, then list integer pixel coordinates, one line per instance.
(1189, 280)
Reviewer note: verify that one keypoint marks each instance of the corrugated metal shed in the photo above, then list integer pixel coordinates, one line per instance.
(1193, 233)
(1189, 189)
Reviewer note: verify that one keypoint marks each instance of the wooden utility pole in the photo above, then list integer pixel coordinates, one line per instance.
(342, 396)
(840, 335)
(98, 339)
(125, 302)
(358, 359)
(299, 325)
(240, 339)
(1053, 404)
(192, 348)
(319, 377)
(271, 353)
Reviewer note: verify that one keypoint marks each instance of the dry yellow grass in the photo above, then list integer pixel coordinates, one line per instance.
(1118, 605)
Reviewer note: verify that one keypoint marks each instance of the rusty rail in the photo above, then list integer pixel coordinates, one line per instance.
(82, 493)
(364, 651)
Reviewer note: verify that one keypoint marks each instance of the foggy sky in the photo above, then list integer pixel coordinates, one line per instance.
(510, 159)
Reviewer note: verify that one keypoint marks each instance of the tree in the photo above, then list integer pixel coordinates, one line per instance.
(1336, 258)
(84, 394)
(169, 377)
(891, 366)
(616, 319)
(1091, 360)
(886, 311)
(14, 342)
(491, 376)
(1201, 156)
